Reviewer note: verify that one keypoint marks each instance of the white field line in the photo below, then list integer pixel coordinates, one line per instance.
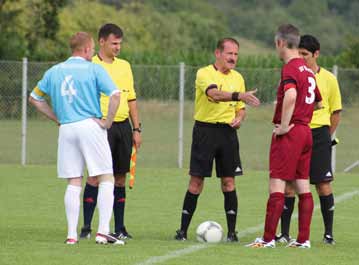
(193, 248)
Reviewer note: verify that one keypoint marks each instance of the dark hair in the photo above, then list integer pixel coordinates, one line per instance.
(290, 34)
(309, 43)
(221, 42)
(108, 29)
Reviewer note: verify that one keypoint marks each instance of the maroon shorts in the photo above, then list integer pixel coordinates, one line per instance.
(290, 154)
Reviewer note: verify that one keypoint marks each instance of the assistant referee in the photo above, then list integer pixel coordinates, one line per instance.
(121, 136)
(219, 111)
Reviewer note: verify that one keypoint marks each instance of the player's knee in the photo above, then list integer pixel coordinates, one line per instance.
(105, 178)
(228, 185)
(92, 181)
(324, 188)
(302, 186)
(75, 181)
(120, 180)
(289, 191)
(195, 185)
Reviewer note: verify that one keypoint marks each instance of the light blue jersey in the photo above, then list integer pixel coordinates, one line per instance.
(74, 87)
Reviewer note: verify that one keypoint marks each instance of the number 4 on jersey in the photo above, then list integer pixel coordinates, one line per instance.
(67, 88)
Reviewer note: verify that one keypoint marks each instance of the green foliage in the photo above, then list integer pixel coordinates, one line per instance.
(11, 41)
(350, 56)
(171, 31)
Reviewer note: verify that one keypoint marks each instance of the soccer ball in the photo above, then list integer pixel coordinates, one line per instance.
(210, 232)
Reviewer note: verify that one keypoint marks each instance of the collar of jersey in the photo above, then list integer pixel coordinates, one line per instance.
(77, 57)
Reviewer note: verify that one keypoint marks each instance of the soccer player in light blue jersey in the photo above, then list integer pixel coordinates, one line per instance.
(74, 87)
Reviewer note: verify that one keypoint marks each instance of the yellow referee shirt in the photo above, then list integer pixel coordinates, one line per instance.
(207, 110)
(331, 98)
(121, 74)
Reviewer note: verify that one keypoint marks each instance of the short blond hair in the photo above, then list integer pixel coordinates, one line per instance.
(79, 40)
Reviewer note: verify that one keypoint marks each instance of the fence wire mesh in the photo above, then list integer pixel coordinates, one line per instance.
(157, 88)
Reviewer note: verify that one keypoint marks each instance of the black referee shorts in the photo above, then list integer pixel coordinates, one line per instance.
(120, 140)
(217, 142)
(321, 162)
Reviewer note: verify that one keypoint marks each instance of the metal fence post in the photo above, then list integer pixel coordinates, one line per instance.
(334, 148)
(24, 111)
(180, 115)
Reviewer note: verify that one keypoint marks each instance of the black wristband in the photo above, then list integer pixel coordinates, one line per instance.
(138, 129)
(235, 96)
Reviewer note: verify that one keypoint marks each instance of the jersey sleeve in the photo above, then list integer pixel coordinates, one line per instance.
(204, 82)
(289, 78)
(103, 81)
(132, 92)
(37, 94)
(42, 87)
(335, 99)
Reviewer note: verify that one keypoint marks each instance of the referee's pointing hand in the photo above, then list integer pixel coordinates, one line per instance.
(249, 98)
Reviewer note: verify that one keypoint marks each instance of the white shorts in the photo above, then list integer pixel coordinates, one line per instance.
(80, 144)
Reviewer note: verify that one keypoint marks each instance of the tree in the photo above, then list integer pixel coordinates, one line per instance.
(350, 55)
(11, 42)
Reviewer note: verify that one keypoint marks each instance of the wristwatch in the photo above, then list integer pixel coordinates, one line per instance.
(138, 129)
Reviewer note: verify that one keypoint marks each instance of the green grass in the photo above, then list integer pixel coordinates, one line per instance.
(33, 225)
(160, 136)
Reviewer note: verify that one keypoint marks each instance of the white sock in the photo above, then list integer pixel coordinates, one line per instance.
(72, 208)
(105, 206)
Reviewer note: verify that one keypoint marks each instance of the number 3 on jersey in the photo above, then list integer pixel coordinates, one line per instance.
(311, 88)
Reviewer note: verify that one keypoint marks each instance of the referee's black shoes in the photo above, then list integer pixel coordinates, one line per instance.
(85, 232)
(232, 237)
(181, 235)
(328, 240)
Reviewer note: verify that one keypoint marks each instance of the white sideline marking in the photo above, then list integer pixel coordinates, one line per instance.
(250, 230)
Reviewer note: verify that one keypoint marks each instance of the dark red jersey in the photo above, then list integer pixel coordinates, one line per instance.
(298, 75)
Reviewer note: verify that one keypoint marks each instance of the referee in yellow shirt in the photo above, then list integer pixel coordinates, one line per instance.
(120, 136)
(219, 111)
(324, 123)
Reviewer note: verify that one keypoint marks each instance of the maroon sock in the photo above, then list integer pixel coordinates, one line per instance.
(274, 210)
(305, 208)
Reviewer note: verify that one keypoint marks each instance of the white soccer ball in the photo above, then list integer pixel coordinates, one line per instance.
(209, 232)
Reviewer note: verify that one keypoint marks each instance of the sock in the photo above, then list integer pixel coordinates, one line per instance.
(89, 203)
(72, 209)
(119, 207)
(287, 215)
(305, 208)
(327, 208)
(189, 206)
(231, 207)
(105, 204)
(274, 210)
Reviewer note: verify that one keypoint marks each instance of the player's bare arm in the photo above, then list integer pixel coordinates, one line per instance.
(112, 108)
(136, 136)
(239, 118)
(318, 105)
(334, 121)
(44, 108)
(284, 127)
(247, 97)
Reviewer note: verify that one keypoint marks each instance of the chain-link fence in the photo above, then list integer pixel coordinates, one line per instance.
(158, 91)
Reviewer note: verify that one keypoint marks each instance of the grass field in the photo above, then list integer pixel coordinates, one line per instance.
(160, 138)
(33, 225)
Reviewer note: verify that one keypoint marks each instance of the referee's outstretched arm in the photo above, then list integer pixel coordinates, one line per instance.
(247, 97)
